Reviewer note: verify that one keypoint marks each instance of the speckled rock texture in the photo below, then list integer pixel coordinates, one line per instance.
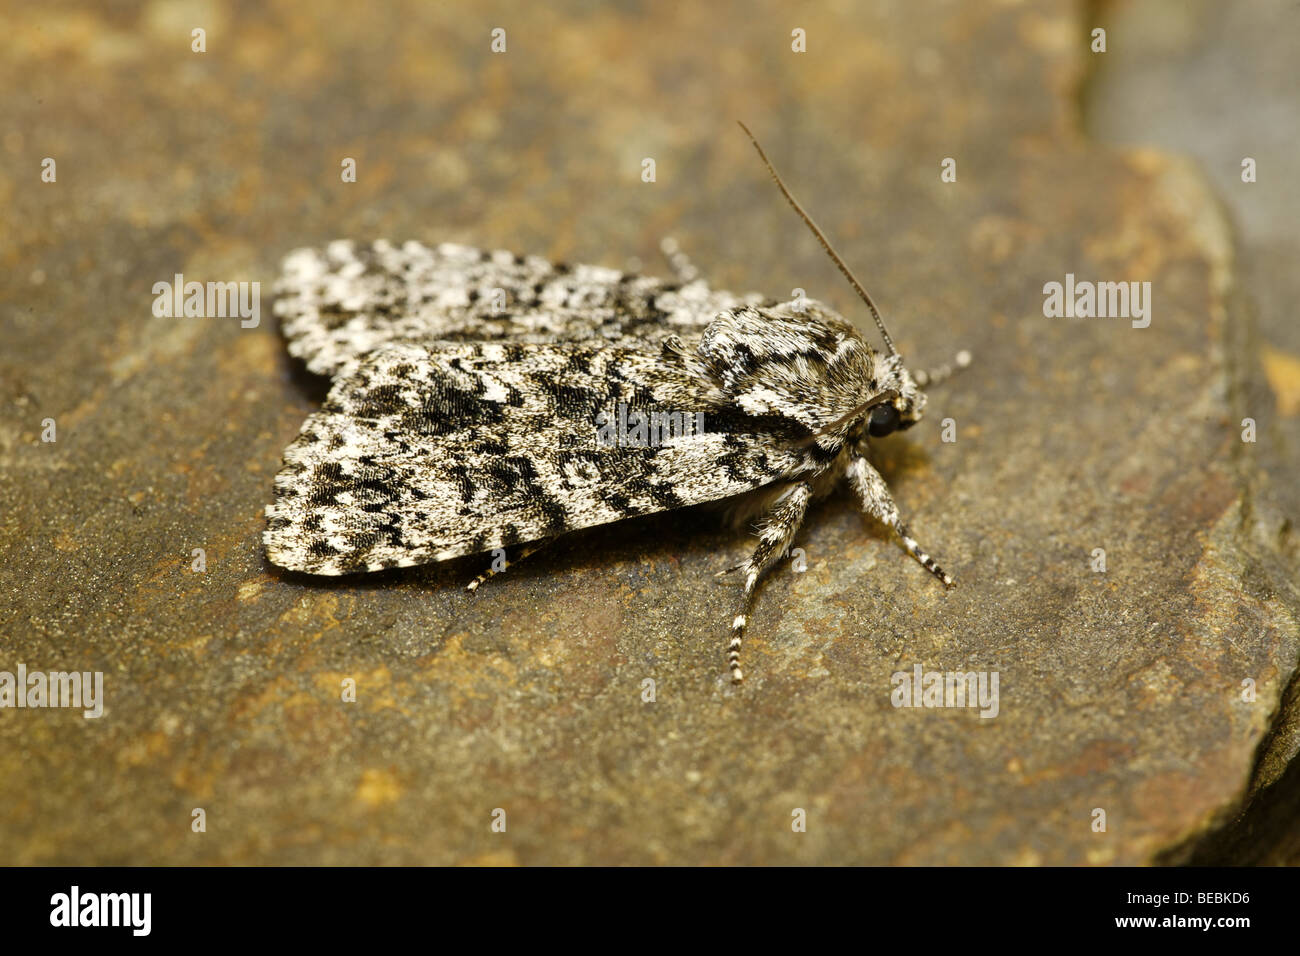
(1120, 691)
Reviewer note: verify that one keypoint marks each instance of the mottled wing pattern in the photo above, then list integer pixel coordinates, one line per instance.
(428, 452)
(338, 303)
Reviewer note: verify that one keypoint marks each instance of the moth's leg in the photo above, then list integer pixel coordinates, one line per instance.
(524, 551)
(876, 500)
(933, 376)
(774, 539)
(680, 262)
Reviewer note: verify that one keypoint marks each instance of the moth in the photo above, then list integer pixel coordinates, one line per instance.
(472, 394)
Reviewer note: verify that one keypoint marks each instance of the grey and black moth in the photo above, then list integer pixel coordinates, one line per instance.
(473, 395)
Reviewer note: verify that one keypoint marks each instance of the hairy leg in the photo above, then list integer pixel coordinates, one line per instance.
(524, 551)
(679, 261)
(775, 535)
(876, 501)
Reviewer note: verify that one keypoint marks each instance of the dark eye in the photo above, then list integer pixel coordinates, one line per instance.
(882, 420)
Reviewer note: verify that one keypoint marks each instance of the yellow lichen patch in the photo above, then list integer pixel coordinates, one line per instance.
(378, 787)
(373, 689)
(144, 749)
(316, 608)
(1283, 372)
(1026, 856)
(168, 18)
(1051, 35)
(249, 590)
(492, 858)
(199, 779)
(1101, 855)
(269, 699)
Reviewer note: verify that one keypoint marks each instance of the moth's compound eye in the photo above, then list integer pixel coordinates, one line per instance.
(883, 420)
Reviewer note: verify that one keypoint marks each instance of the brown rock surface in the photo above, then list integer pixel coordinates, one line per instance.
(1120, 690)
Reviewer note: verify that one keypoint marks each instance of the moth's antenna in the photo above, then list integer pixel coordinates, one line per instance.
(857, 286)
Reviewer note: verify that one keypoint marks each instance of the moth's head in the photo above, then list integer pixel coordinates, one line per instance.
(901, 402)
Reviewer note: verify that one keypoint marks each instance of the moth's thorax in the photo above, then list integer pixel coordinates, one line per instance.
(798, 360)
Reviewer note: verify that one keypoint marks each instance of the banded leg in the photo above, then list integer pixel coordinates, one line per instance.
(928, 377)
(524, 551)
(679, 261)
(774, 539)
(877, 502)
